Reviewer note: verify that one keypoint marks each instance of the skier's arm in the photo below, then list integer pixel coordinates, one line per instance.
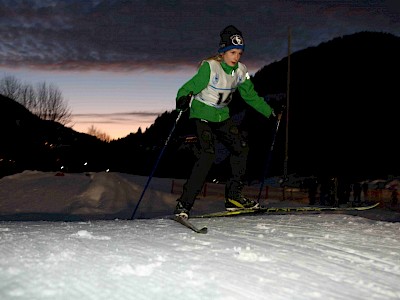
(248, 93)
(197, 83)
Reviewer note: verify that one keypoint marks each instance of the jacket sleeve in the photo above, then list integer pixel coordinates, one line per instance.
(197, 83)
(248, 93)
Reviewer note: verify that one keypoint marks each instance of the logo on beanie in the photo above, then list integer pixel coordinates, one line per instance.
(231, 38)
(236, 40)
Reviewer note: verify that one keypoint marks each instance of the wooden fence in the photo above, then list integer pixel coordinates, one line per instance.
(215, 189)
(267, 192)
(383, 196)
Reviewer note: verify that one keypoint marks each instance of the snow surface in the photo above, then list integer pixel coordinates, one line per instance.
(101, 254)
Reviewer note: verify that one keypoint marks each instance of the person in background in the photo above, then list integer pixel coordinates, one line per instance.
(357, 193)
(394, 200)
(207, 95)
(364, 187)
(312, 187)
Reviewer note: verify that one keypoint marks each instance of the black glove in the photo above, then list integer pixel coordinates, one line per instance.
(278, 106)
(277, 110)
(183, 102)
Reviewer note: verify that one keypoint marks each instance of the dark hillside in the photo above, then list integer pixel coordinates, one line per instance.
(16, 124)
(28, 142)
(342, 96)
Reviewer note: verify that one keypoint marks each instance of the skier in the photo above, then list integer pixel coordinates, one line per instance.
(207, 94)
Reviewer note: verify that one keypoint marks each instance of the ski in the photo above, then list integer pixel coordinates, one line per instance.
(283, 210)
(185, 222)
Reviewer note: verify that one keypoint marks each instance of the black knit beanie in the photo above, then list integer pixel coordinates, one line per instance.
(231, 38)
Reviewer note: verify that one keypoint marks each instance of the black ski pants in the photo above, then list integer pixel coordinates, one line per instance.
(208, 133)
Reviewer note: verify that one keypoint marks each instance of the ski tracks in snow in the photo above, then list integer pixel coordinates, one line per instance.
(270, 257)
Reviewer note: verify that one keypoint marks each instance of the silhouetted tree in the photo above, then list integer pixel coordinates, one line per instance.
(45, 101)
(51, 104)
(99, 134)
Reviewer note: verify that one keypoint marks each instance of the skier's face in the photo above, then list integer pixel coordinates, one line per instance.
(231, 57)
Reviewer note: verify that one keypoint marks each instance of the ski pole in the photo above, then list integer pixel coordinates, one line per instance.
(158, 160)
(267, 164)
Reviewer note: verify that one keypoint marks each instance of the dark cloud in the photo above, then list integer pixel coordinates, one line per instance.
(163, 34)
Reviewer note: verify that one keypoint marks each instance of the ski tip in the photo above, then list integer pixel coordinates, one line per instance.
(367, 207)
(185, 222)
(203, 230)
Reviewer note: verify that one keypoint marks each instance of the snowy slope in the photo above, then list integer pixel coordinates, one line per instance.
(312, 256)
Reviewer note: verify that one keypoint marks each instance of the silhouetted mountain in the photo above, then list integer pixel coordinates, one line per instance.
(342, 119)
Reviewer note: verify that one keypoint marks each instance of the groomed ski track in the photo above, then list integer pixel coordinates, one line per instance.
(329, 256)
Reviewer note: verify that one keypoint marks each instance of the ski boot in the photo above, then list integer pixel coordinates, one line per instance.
(182, 210)
(239, 202)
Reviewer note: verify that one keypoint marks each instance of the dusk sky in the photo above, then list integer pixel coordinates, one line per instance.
(119, 63)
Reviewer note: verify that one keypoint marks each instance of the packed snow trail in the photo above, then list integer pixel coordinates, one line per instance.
(330, 256)
(325, 256)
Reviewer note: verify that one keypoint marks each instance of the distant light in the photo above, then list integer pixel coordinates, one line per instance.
(62, 167)
(85, 164)
(108, 170)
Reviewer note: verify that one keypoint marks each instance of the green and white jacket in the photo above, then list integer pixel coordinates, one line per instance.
(213, 86)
